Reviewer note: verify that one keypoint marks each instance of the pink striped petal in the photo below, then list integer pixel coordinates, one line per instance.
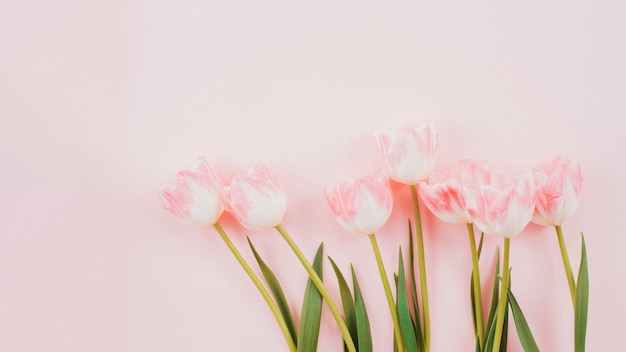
(362, 205)
(193, 196)
(501, 207)
(409, 153)
(256, 199)
(558, 191)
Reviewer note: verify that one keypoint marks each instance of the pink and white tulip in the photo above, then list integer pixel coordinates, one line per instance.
(362, 205)
(256, 199)
(501, 207)
(558, 191)
(409, 153)
(443, 193)
(194, 195)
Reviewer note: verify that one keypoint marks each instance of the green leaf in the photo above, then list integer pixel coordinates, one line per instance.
(362, 321)
(404, 314)
(473, 307)
(523, 330)
(505, 323)
(277, 292)
(505, 331)
(480, 248)
(480, 244)
(495, 295)
(311, 309)
(494, 306)
(416, 316)
(348, 303)
(582, 300)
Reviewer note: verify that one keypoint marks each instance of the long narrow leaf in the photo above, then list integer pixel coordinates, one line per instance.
(505, 331)
(495, 295)
(416, 310)
(277, 292)
(505, 323)
(348, 303)
(473, 303)
(523, 330)
(480, 244)
(494, 305)
(311, 309)
(489, 336)
(404, 315)
(472, 297)
(582, 300)
(362, 321)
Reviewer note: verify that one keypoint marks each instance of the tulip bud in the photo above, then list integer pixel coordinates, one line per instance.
(194, 195)
(256, 199)
(362, 205)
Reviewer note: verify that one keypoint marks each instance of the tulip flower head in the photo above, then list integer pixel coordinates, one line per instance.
(256, 199)
(443, 193)
(501, 207)
(362, 205)
(409, 153)
(194, 195)
(558, 191)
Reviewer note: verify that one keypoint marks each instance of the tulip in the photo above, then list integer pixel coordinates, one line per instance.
(558, 196)
(256, 199)
(409, 153)
(409, 156)
(194, 198)
(258, 202)
(443, 193)
(444, 197)
(558, 191)
(194, 195)
(502, 208)
(363, 206)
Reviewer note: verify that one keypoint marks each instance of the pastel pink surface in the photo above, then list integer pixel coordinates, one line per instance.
(102, 102)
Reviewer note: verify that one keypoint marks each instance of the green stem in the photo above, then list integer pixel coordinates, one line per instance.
(478, 304)
(422, 268)
(502, 302)
(390, 301)
(566, 264)
(320, 287)
(268, 299)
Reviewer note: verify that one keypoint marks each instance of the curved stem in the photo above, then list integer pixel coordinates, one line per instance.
(566, 264)
(390, 301)
(502, 303)
(268, 299)
(478, 304)
(320, 287)
(422, 268)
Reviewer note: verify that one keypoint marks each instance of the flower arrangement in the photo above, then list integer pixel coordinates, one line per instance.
(469, 193)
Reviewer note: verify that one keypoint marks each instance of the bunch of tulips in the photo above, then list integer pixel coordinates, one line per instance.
(467, 193)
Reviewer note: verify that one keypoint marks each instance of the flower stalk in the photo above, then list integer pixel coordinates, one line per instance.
(266, 296)
(320, 286)
(566, 264)
(476, 279)
(422, 267)
(502, 302)
(390, 301)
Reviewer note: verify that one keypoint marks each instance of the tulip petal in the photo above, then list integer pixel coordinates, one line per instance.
(362, 205)
(256, 199)
(193, 196)
(409, 153)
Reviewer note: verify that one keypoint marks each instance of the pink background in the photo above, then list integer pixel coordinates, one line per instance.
(101, 102)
